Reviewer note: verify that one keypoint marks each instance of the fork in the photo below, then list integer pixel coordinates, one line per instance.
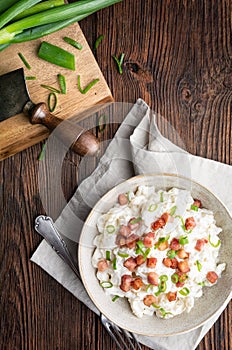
(44, 225)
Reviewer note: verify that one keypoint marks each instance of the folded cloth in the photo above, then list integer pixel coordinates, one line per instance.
(138, 141)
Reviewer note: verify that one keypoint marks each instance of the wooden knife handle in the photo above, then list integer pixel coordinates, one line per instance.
(86, 143)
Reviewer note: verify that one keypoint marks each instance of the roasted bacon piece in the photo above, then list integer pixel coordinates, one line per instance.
(171, 296)
(175, 245)
(130, 264)
(153, 278)
(190, 223)
(137, 283)
(182, 254)
(126, 283)
(197, 203)
(200, 244)
(172, 263)
(139, 260)
(151, 262)
(102, 265)
(183, 266)
(148, 240)
(122, 199)
(124, 231)
(149, 300)
(212, 276)
(161, 222)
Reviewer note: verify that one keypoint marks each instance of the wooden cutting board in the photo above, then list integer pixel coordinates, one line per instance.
(16, 133)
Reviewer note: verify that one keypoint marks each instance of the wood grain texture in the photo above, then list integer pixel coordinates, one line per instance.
(178, 58)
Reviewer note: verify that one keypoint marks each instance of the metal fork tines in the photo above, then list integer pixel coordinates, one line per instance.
(124, 340)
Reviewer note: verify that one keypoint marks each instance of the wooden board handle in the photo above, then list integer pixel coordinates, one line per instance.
(86, 143)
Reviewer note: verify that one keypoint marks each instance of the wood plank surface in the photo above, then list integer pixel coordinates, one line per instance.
(17, 133)
(178, 59)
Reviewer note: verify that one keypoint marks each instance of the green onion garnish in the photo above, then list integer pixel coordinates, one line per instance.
(106, 284)
(88, 87)
(114, 263)
(135, 221)
(199, 266)
(119, 62)
(182, 278)
(101, 123)
(140, 247)
(97, 42)
(110, 228)
(115, 298)
(72, 42)
(148, 286)
(50, 88)
(152, 207)
(164, 313)
(56, 55)
(212, 244)
(162, 285)
(161, 197)
(23, 59)
(161, 240)
(201, 284)
(163, 278)
(123, 255)
(173, 210)
(185, 291)
(155, 306)
(183, 240)
(146, 253)
(62, 82)
(108, 255)
(174, 278)
(171, 253)
(52, 101)
(183, 223)
(194, 207)
(30, 78)
(42, 153)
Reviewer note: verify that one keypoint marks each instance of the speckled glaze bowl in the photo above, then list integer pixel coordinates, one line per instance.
(120, 312)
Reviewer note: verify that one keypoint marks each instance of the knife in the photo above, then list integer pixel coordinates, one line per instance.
(15, 99)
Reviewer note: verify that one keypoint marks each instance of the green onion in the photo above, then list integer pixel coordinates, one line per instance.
(60, 13)
(4, 5)
(62, 82)
(114, 263)
(115, 298)
(106, 284)
(110, 228)
(183, 223)
(161, 240)
(56, 55)
(135, 221)
(201, 284)
(194, 207)
(174, 278)
(140, 246)
(182, 278)
(162, 285)
(155, 306)
(173, 210)
(212, 244)
(108, 255)
(171, 253)
(15, 9)
(50, 88)
(129, 194)
(199, 266)
(146, 253)
(152, 207)
(183, 240)
(42, 153)
(88, 87)
(119, 62)
(97, 42)
(161, 197)
(101, 123)
(164, 313)
(123, 255)
(30, 78)
(185, 291)
(52, 101)
(163, 278)
(23, 59)
(72, 42)
(148, 286)
(45, 5)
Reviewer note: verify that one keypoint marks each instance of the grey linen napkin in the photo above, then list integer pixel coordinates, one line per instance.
(138, 142)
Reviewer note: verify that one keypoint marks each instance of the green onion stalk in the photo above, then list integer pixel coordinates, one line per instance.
(60, 13)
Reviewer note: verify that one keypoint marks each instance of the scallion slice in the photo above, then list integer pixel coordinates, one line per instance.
(110, 228)
(30, 78)
(171, 253)
(52, 101)
(97, 42)
(119, 62)
(101, 123)
(106, 284)
(199, 266)
(114, 263)
(136, 220)
(123, 255)
(73, 43)
(164, 313)
(194, 207)
(23, 59)
(173, 210)
(50, 88)
(161, 197)
(174, 278)
(62, 82)
(201, 284)
(42, 153)
(155, 306)
(108, 255)
(184, 291)
(146, 253)
(152, 207)
(212, 244)
(56, 55)
(115, 298)
(183, 240)
(88, 87)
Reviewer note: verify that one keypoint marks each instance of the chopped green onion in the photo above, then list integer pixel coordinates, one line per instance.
(110, 228)
(108, 255)
(114, 263)
(146, 253)
(173, 210)
(152, 207)
(161, 240)
(52, 101)
(115, 298)
(72, 42)
(161, 197)
(185, 291)
(194, 207)
(50, 88)
(182, 278)
(62, 82)
(214, 245)
(148, 286)
(183, 240)
(199, 266)
(30, 78)
(23, 59)
(135, 221)
(140, 247)
(201, 284)
(128, 194)
(174, 278)
(102, 123)
(171, 253)
(123, 255)
(88, 87)
(106, 284)
(42, 153)
(164, 313)
(155, 306)
(119, 62)
(163, 278)
(97, 42)
(183, 223)
(162, 285)
(56, 55)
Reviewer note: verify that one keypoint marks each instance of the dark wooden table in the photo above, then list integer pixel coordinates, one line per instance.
(178, 59)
